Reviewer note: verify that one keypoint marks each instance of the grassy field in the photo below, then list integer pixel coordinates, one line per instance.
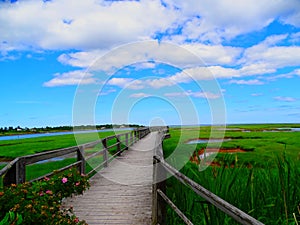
(15, 148)
(263, 181)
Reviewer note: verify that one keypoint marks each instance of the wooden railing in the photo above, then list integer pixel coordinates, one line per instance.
(15, 171)
(160, 199)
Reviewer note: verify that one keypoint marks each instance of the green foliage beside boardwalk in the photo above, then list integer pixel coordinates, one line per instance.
(40, 202)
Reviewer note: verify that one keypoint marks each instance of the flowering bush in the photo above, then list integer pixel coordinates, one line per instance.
(40, 202)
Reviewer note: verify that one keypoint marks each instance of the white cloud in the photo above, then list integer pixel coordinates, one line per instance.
(107, 92)
(145, 65)
(89, 24)
(120, 82)
(206, 95)
(285, 99)
(71, 78)
(247, 82)
(266, 57)
(205, 73)
(280, 76)
(80, 59)
(126, 83)
(253, 68)
(145, 53)
(263, 58)
(214, 54)
(257, 94)
(295, 37)
(293, 18)
(185, 76)
(214, 21)
(93, 28)
(297, 72)
(139, 95)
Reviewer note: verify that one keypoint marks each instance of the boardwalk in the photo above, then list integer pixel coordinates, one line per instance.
(121, 193)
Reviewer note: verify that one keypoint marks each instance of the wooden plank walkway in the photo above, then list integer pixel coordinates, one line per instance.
(122, 192)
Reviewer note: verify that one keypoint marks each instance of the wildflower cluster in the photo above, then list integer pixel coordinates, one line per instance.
(40, 202)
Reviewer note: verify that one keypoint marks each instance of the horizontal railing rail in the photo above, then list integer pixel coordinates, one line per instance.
(160, 199)
(15, 171)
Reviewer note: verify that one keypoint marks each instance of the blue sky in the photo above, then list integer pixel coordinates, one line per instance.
(174, 62)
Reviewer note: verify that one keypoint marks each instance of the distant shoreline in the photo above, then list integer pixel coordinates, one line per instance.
(43, 130)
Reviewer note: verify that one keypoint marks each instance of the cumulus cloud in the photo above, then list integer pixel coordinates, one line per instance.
(71, 78)
(84, 24)
(264, 58)
(214, 54)
(247, 82)
(233, 17)
(81, 59)
(267, 56)
(104, 24)
(91, 29)
(129, 83)
(205, 73)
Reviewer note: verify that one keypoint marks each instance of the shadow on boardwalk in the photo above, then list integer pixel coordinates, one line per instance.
(122, 192)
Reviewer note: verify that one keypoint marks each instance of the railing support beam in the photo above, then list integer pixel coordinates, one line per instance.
(105, 152)
(80, 157)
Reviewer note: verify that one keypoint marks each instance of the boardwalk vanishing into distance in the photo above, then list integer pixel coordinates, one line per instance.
(122, 192)
(130, 189)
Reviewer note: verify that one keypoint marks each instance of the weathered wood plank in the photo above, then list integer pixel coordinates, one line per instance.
(122, 192)
(30, 159)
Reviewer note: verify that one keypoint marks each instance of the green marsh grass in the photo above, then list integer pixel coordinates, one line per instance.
(268, 190)
(16, 148)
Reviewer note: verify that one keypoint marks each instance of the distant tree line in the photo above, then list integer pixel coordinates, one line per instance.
(18, 129)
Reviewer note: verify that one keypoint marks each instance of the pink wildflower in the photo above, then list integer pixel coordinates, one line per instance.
(64, 180)
(47, 178)
(76, 220)
(41, 193)
(77, 183)
(49, 192)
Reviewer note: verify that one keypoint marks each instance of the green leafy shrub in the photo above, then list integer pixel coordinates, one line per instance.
(11, 218)
(40, 202)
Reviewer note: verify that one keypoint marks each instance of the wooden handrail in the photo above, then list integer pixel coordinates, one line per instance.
(15, 171)
(160, 168)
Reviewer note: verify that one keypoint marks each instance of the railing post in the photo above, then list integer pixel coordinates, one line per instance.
(11, 176)
(126, 141)
(21, 171)
(105, 153)
(80, 157)
(135, 135)
(154, 194)
(159, 210)
(118, 145)
(16, 174)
